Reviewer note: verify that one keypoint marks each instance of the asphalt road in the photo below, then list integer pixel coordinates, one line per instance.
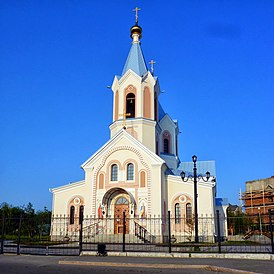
(29, 264)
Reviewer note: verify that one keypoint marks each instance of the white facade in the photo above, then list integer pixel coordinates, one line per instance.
(138, 168)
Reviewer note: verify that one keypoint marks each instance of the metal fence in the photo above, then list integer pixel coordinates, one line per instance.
(62, 235)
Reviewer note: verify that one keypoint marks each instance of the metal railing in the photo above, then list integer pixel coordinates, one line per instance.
(58, 236)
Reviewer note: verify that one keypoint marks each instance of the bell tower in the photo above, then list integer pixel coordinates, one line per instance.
(135, 95)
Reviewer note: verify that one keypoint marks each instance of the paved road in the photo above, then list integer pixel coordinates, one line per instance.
(25, 264)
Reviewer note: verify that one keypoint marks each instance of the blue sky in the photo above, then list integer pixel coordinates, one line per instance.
(214, 62)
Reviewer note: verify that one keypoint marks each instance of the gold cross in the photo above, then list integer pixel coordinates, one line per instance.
(125, 115)
(136, 14)
(152, 62)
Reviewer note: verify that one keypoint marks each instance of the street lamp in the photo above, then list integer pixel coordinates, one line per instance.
(194, 177)
(260, 221)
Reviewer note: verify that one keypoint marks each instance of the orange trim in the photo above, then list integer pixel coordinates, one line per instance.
(147, 103)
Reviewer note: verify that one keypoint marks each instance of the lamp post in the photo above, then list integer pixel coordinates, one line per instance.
(195, 177)
(260, 221)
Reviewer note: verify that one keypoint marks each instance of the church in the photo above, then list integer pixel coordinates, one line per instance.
(138, 170)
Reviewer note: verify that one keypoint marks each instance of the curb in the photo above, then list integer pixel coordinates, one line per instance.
(252, 256)
(212, 268)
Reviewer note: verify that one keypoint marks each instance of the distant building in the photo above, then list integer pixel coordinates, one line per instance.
(233, 209)
(259, 197)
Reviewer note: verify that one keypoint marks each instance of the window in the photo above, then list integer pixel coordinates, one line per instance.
(81, 214)
(188, 212)
(166, 146)
(130, 172)
(122, 201)
(130, 105)
(177, 213)
(71, 215)
(166, 138)
(114, 172)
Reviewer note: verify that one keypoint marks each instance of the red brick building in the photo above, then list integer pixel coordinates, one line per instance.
(259, 198)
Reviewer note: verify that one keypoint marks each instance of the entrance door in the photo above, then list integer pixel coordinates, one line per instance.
(121, 205)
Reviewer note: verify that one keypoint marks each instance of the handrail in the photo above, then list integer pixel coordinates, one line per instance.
(256, 232)
(143, 234)
(92, 229)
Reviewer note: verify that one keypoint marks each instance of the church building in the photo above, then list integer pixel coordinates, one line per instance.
(138, 170)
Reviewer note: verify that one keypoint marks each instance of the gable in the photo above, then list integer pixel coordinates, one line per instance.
(126, 145)
(166, 121)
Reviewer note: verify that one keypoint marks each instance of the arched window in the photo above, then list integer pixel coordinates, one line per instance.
(166, 145)
(122, 201)
(130, 172)
(188, 212)
(71, 215)
(177, 213)
(166, 138)
(130, 105)
(81, 214)
(114, 172)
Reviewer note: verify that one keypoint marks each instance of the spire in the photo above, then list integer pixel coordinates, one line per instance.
(135, 60)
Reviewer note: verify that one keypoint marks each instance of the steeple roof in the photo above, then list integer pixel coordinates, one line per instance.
(135, 60)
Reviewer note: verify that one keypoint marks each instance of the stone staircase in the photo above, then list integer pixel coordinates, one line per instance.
(113, 238)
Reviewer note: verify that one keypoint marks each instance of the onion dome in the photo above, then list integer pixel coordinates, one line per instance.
(136, 31)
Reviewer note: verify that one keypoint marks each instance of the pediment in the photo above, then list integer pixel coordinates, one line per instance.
(123, 141)
(128, 74)
(167, 119)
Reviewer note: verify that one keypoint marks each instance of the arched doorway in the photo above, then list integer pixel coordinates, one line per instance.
(116, 201)
(121, 205)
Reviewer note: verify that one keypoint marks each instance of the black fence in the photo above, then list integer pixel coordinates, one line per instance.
(61, 235)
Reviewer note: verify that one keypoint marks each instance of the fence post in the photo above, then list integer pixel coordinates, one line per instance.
(81, 234)
(169, 232)
(2, 234)
(271, 229)
(124, 231)
(19, 235)
(218, 231)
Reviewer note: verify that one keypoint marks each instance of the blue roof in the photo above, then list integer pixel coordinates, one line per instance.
(202, 168)
(161, 112)
(135, 61)
(221, 201)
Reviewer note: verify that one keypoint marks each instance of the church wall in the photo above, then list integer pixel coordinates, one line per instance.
(62, 199)
(156, 191)
(164, 191)
(205, 198)
(89, 190)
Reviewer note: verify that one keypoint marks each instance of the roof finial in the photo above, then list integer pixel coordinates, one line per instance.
(136, 30)
(152, 62)
(136, 14)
